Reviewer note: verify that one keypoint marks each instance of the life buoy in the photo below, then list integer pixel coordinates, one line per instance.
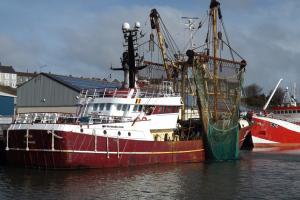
(144, 119)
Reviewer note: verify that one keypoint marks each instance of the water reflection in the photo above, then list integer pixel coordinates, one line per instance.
(119, 183)
(268, 175)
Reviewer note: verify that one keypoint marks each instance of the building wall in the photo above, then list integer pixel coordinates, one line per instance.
(57, 109)
(42, 91)
(6, 105)
(22, 79)
(8, 79)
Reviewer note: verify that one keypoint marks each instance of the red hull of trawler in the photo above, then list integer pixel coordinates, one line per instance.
(77, 150)
(83, 151)
(268, 132)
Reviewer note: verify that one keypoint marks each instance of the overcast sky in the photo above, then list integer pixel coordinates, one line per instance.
(83, 37)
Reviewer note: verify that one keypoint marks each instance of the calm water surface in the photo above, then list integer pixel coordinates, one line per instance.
(257, 175)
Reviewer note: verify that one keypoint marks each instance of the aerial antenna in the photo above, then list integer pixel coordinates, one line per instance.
(41, 67)
(191, 26)
(294, 90)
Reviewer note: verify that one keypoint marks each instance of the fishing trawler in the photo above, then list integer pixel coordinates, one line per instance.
(213, 74)
(136, 124)
(218, 80)
(132, 125)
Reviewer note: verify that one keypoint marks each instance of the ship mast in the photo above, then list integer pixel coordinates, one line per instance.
(171, 65)
(130, 57)
(214, 13)
(218, 90)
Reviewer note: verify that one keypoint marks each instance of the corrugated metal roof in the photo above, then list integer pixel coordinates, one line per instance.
(7, 69)
(8, 90)
(79, 84)
(27, 74)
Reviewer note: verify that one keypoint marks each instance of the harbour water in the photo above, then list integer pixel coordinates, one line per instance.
(257, 175)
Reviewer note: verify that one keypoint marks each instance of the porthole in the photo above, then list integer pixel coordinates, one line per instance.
(129, 134)
(104, 132)
(119, 133)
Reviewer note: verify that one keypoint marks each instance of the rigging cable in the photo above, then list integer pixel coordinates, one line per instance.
(224, 29)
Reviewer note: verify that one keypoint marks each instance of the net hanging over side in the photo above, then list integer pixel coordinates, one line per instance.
(220, 123)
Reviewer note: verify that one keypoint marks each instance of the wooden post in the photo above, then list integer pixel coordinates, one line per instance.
(183, 91)
(214, 13)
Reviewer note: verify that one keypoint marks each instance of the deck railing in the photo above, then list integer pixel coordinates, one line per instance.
(66, 118)
(121, 93)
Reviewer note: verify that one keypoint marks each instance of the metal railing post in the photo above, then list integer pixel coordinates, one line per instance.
(94, 93)
(118, 146)
(52, 142)
(27, 137)
(104, 93)
(107, 148)
(7, 134)
(94, 131)
(115, 93)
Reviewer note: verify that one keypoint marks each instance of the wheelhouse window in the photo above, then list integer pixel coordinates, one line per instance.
(135, 108)
(101, 106)
(140, 108)
(119, 106)
(124, 107)
(108, 106)
(95, 107)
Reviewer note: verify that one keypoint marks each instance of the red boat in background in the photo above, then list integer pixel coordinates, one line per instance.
(267, 131)
(280, 126)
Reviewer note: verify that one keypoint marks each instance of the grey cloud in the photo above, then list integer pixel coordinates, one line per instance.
(16, 53)
(97, 41)
(87, 43)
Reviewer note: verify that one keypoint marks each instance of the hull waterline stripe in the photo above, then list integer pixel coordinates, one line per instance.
(104, 152)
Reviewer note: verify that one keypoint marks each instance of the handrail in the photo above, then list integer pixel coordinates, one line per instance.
(41, 118)
(115, 93)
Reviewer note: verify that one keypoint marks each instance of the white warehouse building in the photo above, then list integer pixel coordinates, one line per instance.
(55, 93)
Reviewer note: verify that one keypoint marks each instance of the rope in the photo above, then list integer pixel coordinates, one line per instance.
(169, 36)
(227, 39)
(233, 50)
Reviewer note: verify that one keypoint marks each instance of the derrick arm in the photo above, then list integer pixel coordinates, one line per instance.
(154, 19)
